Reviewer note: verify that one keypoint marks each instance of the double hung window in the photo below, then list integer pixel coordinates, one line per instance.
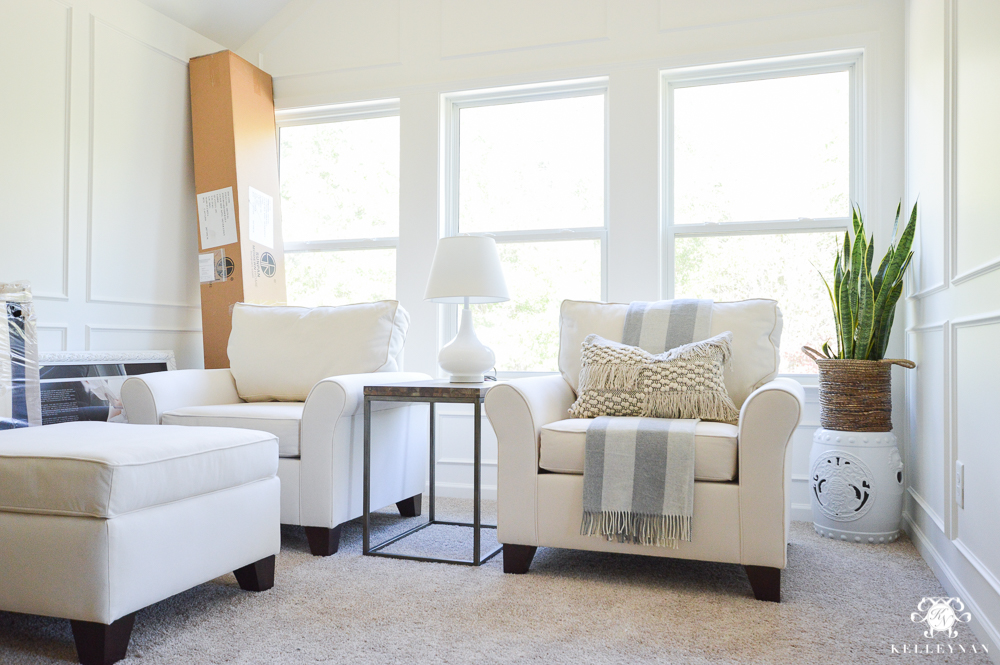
(339, 171)
(759, 180)
(527, 166)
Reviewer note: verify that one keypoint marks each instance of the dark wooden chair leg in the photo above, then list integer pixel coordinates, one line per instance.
(410, 507)
(257, 576)
(766, 582)
(97, 644)
(517, 558)
(323, 541)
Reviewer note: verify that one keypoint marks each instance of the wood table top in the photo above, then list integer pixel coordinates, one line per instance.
(432, 388)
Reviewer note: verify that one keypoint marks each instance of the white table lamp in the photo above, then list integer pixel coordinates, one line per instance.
(466, 270)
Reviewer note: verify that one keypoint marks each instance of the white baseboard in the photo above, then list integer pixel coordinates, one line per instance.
(980, 623)
(802, 512)
(463, 491)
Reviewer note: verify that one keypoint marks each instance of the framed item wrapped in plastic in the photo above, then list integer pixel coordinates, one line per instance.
(87, 385)
(20, 404)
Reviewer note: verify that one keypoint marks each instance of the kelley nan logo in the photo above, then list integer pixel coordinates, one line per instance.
(941, 615)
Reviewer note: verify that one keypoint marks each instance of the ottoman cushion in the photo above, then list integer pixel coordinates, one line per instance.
(103, 470)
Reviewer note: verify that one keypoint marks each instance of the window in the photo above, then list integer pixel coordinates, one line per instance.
(339, 170)
(528, 168)
(759, 183)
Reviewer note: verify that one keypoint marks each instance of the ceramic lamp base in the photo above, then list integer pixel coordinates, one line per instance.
(465, 357)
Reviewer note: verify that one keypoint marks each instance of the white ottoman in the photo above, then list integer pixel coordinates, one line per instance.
(98, 520)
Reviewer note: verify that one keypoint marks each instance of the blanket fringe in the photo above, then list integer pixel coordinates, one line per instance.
(636, 528)
(707, 406)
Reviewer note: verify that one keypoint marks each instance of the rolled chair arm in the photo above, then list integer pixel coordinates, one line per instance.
(345, 396)
(517, 411)
(767, 422)
(329, 444)
(148, 396)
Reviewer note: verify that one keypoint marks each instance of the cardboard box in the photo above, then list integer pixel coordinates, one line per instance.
(236, 180)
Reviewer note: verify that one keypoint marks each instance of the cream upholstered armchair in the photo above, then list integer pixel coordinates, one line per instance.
(299, 374)
(742, 471)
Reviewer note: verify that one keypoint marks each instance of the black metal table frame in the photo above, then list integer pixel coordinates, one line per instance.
(476, 524)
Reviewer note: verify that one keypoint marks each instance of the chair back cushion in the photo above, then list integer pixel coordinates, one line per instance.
(280, 353)
(755, 324)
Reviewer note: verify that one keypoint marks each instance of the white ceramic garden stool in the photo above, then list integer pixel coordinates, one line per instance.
(856, 485)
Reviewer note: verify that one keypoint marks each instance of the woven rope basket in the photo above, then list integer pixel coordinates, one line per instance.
(855, 395)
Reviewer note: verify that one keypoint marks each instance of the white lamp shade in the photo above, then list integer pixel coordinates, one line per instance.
(466, 267)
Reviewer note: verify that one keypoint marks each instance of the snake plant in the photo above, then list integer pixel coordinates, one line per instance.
(864, 305)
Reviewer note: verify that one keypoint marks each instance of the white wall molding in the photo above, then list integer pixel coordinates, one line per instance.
(91, 296)
(942, 565)
(937, 519)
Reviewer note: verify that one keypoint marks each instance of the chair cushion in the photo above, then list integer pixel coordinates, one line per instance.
(280, 353)
(563, 444)
(97, 469)
(281, 419)
(755, 324)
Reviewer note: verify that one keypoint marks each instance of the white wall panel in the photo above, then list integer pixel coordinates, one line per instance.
(977, 385)
(488, 26)
(676, 14)
(51, 339)
(34, 48)
(186, 344)
(977, 135)
(926, 469)
(336, 34)
(455, 452)
(952, 93)
(143, 223)
(925, 131)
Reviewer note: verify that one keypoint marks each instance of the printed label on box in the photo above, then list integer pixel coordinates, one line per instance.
(261, 218)
(217, 218)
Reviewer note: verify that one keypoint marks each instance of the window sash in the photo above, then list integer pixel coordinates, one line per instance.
(317, 115)
(821, 63)
(453, 103)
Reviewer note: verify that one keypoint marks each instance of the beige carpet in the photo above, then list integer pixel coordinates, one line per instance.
(843, 603)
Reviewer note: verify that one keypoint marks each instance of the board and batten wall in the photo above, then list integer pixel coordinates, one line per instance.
(953, 307)
(334, 51)
(96, 175)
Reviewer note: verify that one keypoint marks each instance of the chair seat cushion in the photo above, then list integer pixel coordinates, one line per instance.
(281, 419)
(97, 469)
(563, 444)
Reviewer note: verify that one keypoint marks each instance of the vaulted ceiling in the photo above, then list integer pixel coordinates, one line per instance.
(228, 22)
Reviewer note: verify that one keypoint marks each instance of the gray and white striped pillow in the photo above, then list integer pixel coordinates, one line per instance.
(685, 382)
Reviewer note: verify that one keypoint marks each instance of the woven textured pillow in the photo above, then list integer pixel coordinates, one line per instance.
(685, 382)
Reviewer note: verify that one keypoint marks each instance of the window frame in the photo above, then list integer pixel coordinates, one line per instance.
(756, 70)
(452, 103)
(318, 115)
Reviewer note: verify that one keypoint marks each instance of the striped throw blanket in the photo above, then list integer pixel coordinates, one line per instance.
(638, 477)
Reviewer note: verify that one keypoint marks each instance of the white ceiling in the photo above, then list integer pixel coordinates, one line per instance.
(228, 22)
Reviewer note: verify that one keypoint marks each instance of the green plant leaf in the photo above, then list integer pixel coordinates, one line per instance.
(826, 350)
(895, 225)
(869, 256)
(866, 319)
(856, 219)
(889, 315)
(877, 282)
(847, 316)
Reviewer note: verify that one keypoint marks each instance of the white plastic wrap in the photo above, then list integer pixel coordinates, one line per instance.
(20, 395)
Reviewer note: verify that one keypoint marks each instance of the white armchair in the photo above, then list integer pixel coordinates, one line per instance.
(317, 361)
(742, 472)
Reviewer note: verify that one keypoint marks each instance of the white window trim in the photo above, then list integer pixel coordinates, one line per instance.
(451, 104)
(316, 115)
(755, 70)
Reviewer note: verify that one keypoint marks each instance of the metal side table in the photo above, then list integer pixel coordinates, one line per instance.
(432, 392)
